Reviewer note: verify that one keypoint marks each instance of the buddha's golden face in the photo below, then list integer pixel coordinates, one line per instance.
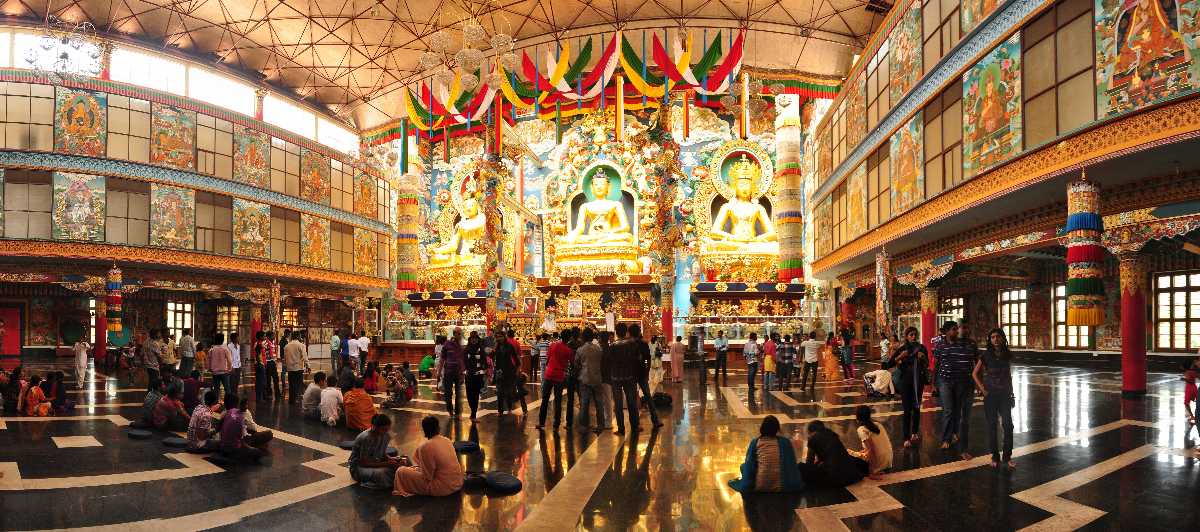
(600, 186)
(745, 188)
(470, 207)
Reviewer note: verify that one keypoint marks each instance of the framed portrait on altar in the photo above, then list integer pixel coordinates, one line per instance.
(529, 305)
(575, 308)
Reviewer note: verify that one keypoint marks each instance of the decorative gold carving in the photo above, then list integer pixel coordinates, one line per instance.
(1134, 274)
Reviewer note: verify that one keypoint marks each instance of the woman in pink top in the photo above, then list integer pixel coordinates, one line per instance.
(435, 470)
(677, 348)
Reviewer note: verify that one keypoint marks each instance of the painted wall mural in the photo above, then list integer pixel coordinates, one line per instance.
(992, 109)
(904, 52)
(365, 252)
(823, 225)
(79, 201)
(974, 11)
(856, 111)
(1144, 51)
(314, 176)
(907, 159)
(251, 156)
(42, 331)
(172, 216)
(856, 202)
(80, 122)
(172, 136)
(251, 229)
(314, 243)
(365, 195)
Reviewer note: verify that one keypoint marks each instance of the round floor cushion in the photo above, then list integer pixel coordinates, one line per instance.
(393, 452)
(466, 447)
(175, 442)
(503, 483)
(139, 434)
(347, 445)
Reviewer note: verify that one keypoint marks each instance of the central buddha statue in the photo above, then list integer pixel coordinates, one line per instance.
(602, 220)
(743, 215)
(458, 251)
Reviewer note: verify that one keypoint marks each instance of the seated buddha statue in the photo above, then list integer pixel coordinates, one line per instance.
(458, 251)
(600, 221)
(744, 216)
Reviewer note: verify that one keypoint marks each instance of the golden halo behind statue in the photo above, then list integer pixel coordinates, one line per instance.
(731, 152)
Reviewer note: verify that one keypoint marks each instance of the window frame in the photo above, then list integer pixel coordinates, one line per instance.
(1191, 322)
(1083, 336)
(181, 316)
(1012, 315)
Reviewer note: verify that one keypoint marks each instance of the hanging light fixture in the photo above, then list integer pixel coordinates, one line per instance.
(65, 51)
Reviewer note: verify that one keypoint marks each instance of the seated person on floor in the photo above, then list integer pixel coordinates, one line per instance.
(371, 378)
(407, 373)
(169, 413)
(148, 404)
(426, 367)
(56, 393)
(255, 434)
(310, 403)
(35, 403)
(331, 402)
(201, 433)
(11, 388)
(881, 381)
(358, 406)
(399, 392)
(876, 455)
(828, 464)
(435, 470)
(235, 443)
(770, 464)
(369, 463)
(191, 391)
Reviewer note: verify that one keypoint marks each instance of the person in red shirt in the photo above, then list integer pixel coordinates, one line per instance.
(555, 379)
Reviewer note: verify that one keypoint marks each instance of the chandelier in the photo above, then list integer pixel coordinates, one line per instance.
(466, 63)
(65, 51)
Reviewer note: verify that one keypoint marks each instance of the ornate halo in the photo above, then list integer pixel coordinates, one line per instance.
(735, 148)
(468, 173)
(593, 167)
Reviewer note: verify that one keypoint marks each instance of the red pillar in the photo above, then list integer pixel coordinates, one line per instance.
(668, 323)
(1133, 324)
(255, 322)
(847, 314)
(100, 349)
(929, 307)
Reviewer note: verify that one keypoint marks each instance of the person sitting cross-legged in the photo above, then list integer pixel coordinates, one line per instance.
(435, 470)
(169, 413)
(331, 402)
(201, 434)
(234, 442)
(770, 464)
(369, 463)
(310, 404)
(359, 407)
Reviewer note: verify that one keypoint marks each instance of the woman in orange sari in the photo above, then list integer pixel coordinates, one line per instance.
(35, 399)
(435, 470)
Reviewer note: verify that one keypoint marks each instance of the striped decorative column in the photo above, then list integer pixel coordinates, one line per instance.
(114, 283)
(883, 292)
(408, 210)
(1085, 254)
(789, 217)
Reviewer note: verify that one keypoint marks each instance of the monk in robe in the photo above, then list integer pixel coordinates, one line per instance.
(435, 470)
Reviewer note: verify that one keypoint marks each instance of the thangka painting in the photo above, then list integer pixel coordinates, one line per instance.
(823, 226)
(1, 201)
(365, 252)
(856, 201)
(251, 156)
(1144, 52)
(251, 229)
(824, 154)
(173, 136)
(904, 52)
(314, 176)
(80, 121)
(365, 193)
(856, 112)
(992, 109)
(974, 11)
(172, 216)
(314, 244)
(78, 206)
(907, 159)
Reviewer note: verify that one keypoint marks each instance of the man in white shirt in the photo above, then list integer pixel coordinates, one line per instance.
(355, 348)
(81, 359)
(311, 404)
(187, 353)
(721, 366)
(295, 359)
(364, 344)
(235, 359)
(812, 353)
(331, 402)
(750, 351)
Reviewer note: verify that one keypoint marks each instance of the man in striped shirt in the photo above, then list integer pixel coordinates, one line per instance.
(956, 357)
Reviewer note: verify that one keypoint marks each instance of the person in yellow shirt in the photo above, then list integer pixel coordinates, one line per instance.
(359, 407)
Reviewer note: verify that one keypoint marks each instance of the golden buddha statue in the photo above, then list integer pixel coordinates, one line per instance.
(458, 251)
(600, 221)
(743, 214)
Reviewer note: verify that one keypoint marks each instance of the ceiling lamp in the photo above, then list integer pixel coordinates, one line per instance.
(445, 77)
(502, 42)
(469, 59)
(508, 60)
(468, 81)
(439, 41)
(65, 50)
(473, 33)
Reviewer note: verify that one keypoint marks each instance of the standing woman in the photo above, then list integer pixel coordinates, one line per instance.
(477, 368)
(910, 358)
(993, 375)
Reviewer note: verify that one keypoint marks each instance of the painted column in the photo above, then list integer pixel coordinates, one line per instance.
(883, 292)
(101, 343)
(929, 309)
(1133, 323)
(256, 324)
(789, 218)
(106, 50)
(259, 95)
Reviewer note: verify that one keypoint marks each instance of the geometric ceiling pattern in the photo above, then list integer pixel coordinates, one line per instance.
(352, 57)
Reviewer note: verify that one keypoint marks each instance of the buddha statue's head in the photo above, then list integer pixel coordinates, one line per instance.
(744, 174)
(470, 199)
(600, 185)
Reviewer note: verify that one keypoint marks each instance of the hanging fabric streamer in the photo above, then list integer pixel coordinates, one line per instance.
(114, 284)
(1085, 255)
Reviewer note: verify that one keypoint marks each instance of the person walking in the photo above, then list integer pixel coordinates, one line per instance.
(847, 353)
(235, 358)
(449, 370)
(812, 354)
(993, 375)
(911, 361)
(541, 351)
(591, 379)
(295, 361)
(721, 345)
(261, 384)
(477, 370)
(506, 375)
(219, 364)
(170, 356)
(787, 358)
(750, 351)
(81, 349)
(641, 352)
(187, 352)
(677, 355)
(956, 359)
(335, 345)
(364, 351)
(625, 366)
(559, 360)
(149, 352)
(270, 369)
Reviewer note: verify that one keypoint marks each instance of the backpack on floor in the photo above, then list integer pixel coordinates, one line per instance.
(662, 400)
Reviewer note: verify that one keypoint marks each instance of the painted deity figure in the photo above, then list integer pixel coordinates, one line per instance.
(600, 221)
(1147, 35)
(992, 112)
(744, 216)
(458, 251)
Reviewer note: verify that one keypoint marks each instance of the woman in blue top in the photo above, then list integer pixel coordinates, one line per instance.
(770, 464)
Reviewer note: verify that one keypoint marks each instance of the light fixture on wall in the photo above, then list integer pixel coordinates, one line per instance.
(65, 51)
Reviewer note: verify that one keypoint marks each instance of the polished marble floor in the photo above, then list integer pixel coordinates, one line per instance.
(1086, 459)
